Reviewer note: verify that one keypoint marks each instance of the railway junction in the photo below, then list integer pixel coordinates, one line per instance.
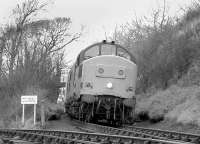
(88, 133)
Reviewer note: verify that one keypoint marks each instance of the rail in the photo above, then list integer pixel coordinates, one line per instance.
(61, 137)
(194, 138)
(145, 133)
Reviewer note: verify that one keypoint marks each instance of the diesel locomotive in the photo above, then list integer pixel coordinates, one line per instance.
(101, 85)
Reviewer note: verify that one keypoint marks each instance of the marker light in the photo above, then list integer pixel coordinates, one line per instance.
(109, 85)
(101, 70)
(88, 85)
(120, 72)
(130, 89)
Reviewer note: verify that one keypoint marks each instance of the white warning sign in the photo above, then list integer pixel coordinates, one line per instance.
(29, 99)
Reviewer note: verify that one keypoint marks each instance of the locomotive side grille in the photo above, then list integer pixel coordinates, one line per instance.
(110, 71)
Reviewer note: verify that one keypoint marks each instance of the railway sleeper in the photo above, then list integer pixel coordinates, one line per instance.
(194, 140)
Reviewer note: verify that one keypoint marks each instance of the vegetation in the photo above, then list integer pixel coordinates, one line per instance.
(31, 56)
(167, 53)
(164, 47)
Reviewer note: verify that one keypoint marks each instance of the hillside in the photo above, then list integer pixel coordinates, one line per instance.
(179, 104)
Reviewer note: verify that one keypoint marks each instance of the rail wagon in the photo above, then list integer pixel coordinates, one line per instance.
(101, 85)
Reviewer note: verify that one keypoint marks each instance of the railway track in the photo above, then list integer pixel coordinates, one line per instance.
(37, 138)
(69, 137)
(168, 134)
(7, 140)
(144, 132)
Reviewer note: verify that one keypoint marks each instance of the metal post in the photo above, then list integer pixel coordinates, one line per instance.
(133, 110)
(98, 106)
(79, 113)
(115, 109)
(23, 111)
(93, 109)
(42, 114)
(34, 114)
(123, 113)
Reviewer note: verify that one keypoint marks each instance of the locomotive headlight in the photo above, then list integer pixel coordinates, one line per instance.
(109, 85)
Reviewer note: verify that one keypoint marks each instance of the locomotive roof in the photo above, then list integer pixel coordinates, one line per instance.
(110, 43)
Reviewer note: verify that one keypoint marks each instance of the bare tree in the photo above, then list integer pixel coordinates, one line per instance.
(13, 34)
(149, 39)
(32, 47)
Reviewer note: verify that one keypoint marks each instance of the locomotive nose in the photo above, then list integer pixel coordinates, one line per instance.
(109, 75)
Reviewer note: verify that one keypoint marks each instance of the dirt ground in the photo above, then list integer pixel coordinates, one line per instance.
(65, 124)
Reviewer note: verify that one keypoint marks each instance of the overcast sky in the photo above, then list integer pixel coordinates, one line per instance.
(98, 16)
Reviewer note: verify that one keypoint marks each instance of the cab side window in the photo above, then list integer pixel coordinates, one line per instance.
(69, 81)
(91, 52)
(122, 53)
(80, 71)
(78, 60)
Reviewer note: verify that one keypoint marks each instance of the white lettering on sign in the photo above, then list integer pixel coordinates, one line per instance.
(29, 99)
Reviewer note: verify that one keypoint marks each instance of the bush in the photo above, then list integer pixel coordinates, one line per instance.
(143, 116)
(53, 111)
(161, 102)
(180, 104)
(157, 118)
(187, 112)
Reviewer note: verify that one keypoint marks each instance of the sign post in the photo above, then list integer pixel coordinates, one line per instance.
(34, 122)
(23, 114)
(42, 114)
(28, 99)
